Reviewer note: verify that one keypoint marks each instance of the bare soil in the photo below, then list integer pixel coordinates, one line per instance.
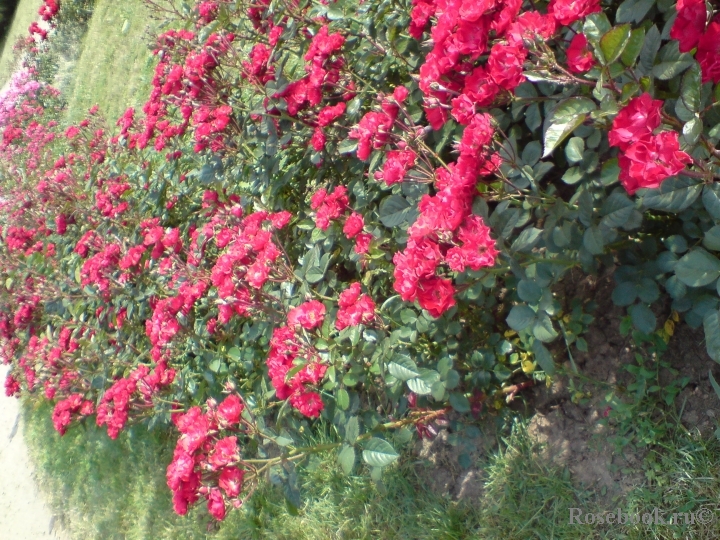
(574, 429)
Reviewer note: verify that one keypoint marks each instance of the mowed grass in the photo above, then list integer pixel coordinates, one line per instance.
(26, 13)
(107, 489)
(116, 490)
(116, 65)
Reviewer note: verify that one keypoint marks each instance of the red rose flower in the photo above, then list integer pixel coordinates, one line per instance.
(649, 161)
(353, 225)
(216, 504)
(689, 24)
(579, 57)
(435, 294)
(505, 65)
(231, 479)
(568, 11)
(224, 453)
(635, 121)
(308, 403)
(708, 52)
(308, 315)
(230, 409)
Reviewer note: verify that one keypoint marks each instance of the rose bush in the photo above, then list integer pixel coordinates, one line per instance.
(354, 212)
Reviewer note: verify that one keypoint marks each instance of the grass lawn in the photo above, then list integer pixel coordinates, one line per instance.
(26, 13)
(116, 66)
(116, 489)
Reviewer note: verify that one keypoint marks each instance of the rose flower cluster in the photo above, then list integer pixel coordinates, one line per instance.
(207, 459)
(645, 159)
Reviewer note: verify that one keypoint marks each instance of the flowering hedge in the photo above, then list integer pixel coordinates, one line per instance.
(355, 212)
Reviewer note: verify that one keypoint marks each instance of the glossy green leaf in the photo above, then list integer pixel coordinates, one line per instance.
(633, 48)
(403, 367)
(568, 115)
(543, 357)
(613, 43)
(520, 317)
(698, 268)
(711, 240)
(379, 453)
(711, 325)
(674, 194)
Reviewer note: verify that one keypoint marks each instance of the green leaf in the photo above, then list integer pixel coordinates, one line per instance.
(342, 398)
(314, 274)
(459, 402)
(543, 357)
(692, 131)
(379, 453)
(616, 210)
(697, 268)
(347, 146)
(533, 118)
(633, 10)
(674, 195)
(531, 153)
(543, 329)
(610, 172)
(593, 240)
(520, 317)
(712, 238)
(711, 325)
(649, 50)
(671, 68)
(711, 199)
(526, 240)
(352, 430)
(529, 291)
(624, 294)
(634, 46)
(613, 43)
(335, 12)
(690, 89)
(234, 353)
(403, 367)
(395, 210)
(438, 391)
(419, 386)
(565, 118)
(595, 26)
(346, 459)
(716, 387)
(423, 384)
(643, 318)
(574, 149)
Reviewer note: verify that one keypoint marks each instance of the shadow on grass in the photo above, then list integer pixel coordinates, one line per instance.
(116, 490)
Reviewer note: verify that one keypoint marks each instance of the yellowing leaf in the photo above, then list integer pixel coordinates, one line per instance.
(669, 327)
(528, 366)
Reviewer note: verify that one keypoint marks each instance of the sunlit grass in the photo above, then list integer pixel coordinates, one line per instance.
(25, 14)
(115, 68)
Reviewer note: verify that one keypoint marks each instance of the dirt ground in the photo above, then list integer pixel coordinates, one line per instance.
(573, 432)
(24, 514)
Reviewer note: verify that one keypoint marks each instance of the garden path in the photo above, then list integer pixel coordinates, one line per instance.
(24, 515)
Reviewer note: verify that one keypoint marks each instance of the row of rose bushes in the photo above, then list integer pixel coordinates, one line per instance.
(353, 212)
